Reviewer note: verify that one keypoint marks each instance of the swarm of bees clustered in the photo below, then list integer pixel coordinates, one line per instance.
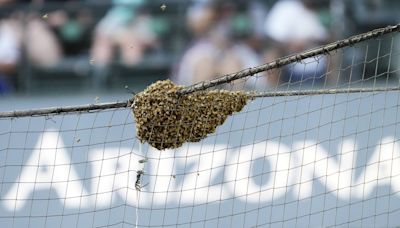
(166, 119)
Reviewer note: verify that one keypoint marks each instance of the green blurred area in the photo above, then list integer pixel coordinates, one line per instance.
(73, 74)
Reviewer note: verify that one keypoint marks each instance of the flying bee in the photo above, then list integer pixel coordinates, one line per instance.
(138, 183)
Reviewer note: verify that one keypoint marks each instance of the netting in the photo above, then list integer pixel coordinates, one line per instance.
(320, 148)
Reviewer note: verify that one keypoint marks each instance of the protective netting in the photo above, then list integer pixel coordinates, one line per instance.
(294, 156)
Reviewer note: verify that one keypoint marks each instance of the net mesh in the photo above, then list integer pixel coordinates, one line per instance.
(284, 160)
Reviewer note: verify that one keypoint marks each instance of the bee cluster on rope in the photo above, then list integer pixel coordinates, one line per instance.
(166, 119)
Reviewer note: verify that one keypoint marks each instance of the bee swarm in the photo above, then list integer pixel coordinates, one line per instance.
(166, 120)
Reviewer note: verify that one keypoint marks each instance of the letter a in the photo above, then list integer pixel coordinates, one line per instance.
(49, 166)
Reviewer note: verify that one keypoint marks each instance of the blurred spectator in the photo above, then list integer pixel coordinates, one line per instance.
(42, 46)
(295, 26)
(371, 14)
(9, 54)
(197, 62)
(72, 28)
(214, 51)
(28, 30)
(125, 28)
(41, 43)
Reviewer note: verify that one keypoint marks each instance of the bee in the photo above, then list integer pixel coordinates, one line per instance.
(138, 183)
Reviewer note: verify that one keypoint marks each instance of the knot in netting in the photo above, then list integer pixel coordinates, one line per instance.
(166, 120)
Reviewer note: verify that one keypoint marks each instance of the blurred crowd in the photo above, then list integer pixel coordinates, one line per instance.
(221, 46)
(220, 37)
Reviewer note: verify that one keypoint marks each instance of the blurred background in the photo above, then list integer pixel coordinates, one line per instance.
(72, 47)
(72, 52)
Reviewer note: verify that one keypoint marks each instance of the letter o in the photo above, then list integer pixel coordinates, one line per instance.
(238, 171)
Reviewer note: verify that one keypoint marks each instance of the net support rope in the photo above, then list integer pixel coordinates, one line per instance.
(66, 109)
(235, 76)
(110, 105)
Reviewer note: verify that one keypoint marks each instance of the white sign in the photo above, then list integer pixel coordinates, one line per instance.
(293, 170)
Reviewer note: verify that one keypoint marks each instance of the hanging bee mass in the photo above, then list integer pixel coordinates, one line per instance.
(166, 120)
